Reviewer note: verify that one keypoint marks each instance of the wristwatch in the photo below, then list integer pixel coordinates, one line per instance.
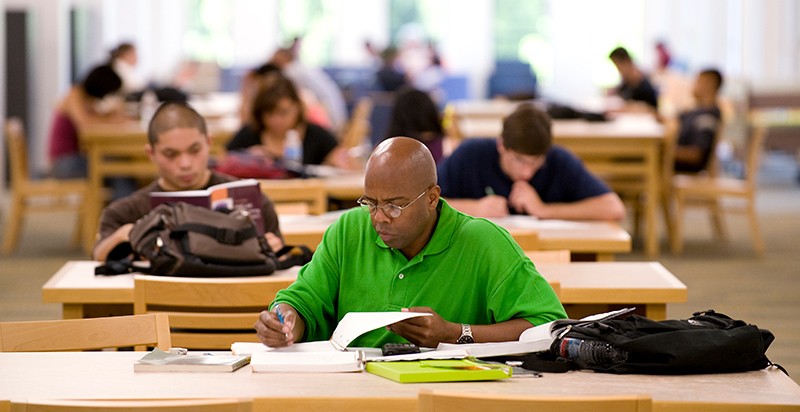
(466, 334)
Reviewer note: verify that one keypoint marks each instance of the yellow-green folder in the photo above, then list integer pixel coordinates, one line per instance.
(450, 370)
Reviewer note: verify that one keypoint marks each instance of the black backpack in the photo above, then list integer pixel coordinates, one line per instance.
(180, 239)
(708, 342)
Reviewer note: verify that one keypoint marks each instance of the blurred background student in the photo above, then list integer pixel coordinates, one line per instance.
(415, 115)
(278, 118)
(87, 103)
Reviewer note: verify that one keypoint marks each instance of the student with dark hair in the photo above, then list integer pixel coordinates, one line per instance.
(522, 172)
(699, 127)
(277, 111)
(415, 115)
(178, 144)
(635, 87)
(83, 105)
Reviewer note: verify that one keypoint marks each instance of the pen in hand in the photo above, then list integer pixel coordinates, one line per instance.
(280, 316)
(489, 191)
(278, 312)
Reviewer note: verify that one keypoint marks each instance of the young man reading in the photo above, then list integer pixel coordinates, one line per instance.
(406, 249)
(522, 172)
(179, 146)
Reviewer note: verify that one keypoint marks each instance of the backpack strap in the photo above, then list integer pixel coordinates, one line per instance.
(119, 261)
(222, 235)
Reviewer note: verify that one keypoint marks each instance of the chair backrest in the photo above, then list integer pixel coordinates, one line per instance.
(442, 401)
(755, 150)
(85, 334)
(358, 128)
(125, 405)
(309, 191)
(335, 403)
(549, 256)
(207, 313)
(17, 151)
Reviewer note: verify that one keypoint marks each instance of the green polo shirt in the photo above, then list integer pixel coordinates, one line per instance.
(471, 271)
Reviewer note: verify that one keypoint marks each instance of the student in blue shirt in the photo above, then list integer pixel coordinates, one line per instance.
(522, 172)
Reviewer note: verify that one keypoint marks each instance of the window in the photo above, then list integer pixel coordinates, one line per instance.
(208, 36)
(315, 23)
(520, 28)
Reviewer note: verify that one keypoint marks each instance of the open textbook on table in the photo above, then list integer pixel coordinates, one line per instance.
(333, 355)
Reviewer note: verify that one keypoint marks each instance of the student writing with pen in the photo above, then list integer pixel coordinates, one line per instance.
(406, 249)
(523, 173)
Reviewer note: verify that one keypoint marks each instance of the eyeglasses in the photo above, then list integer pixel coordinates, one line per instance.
(390, 209)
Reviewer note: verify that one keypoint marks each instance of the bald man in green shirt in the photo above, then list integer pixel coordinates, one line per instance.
(406, 249)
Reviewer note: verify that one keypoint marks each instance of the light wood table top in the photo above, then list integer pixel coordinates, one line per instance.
(110, 375)
(585, 287)
(601, 239)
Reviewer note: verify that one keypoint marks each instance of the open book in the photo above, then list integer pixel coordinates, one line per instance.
(534, 339)
(238, 194)
(160, 361)
(327, 356)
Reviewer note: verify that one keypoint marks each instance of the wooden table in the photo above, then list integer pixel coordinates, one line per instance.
(626, 148)
(83, 294)
(585, 288)
(599, 240)
(110, 375)
(118, 150)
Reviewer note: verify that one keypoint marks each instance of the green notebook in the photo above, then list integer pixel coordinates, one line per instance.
(449, 370)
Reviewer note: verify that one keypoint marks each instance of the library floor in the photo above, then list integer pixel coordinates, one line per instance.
(726, 277)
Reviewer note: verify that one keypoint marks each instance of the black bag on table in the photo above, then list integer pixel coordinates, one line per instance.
(180, 239)
(708, 342)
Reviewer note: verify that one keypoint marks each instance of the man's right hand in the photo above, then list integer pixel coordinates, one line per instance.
(275, 334)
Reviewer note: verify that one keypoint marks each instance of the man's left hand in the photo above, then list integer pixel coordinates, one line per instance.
(524, 199)
(426, 331)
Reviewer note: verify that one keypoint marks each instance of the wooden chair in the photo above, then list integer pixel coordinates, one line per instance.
(85, 334)
(709, 191)
(125, 405)
(549, 256)
(207, 313)
(297, 196)
(633, 191)
(442, 401)
(357, 130)
(58, 192)
(349, 404)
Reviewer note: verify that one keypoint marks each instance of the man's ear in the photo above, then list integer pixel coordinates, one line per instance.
(433, 196)
(500, 147)
(148, 149)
